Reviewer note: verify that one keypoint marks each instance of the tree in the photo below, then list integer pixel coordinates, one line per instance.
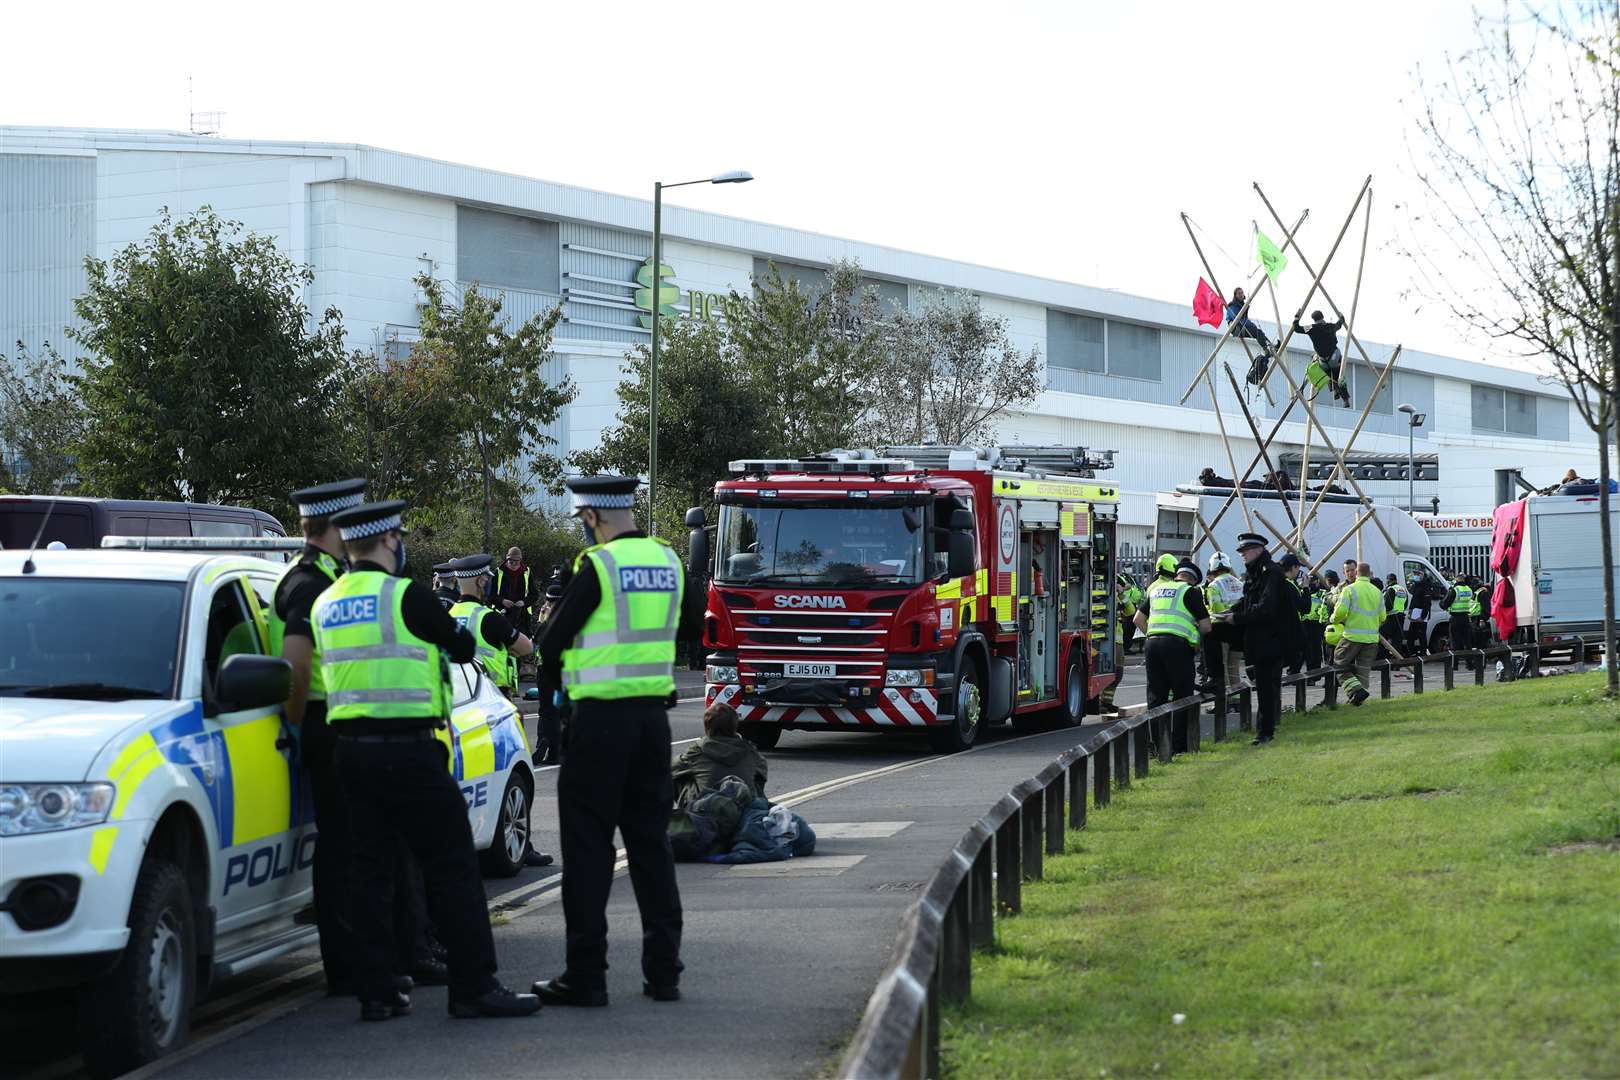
(42, 418)
(950, 373)
(1523, 178)
(205, 379)
(501, 400)
(401, 427)
(811, 355)
(709, 413)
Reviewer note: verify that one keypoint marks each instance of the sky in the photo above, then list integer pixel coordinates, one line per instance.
(1058, 139)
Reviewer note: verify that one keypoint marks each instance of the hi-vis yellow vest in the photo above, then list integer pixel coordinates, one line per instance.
(470, 613)
(1168, 613)
(626, 648)
(1360, 610)
(277, 630)
(373, 665)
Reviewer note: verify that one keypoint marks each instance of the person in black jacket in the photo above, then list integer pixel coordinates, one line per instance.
(1324, 337)
(1264, 614)
(1299, 606)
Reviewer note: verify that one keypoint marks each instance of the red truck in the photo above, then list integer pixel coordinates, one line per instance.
(940, 589)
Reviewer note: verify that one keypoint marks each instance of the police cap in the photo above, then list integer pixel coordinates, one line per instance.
(554, 591)
(1189, 569)
(470, 566)
(603, 492)
(1289, 560)
(444, 568)
(323, 500)
(1249, 540)
(370, 519)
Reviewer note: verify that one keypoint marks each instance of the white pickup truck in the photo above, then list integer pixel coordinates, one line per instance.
(155, 825)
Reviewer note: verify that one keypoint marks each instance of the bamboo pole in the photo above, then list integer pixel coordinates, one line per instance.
(1339, 468)
(1288, 241)
(1256, 430)
(1350, 339)
(1316, 283)
(1226, 443)
(1334, 550)
(1209, 534)
(1282, 537)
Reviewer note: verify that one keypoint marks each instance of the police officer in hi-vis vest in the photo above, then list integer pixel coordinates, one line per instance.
(610, 644)
(1173, 618)
(385, 646)
(497, 640)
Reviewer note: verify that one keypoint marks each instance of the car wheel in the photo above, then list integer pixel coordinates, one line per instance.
(963, 730)
(141, 1010)
(763, 736)
(510, 844)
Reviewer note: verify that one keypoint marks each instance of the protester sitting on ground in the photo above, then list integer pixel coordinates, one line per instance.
(719, 754)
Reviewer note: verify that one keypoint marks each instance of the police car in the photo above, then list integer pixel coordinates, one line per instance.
(156, 831)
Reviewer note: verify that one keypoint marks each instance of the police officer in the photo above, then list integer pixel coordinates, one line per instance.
(385, 644)
(444, 584)
(1223, 660)
(610, 644)
(497, 640)
(1397, 598)
(1264, 616)
(1459, 603)
(1175, 615)
(550, 715)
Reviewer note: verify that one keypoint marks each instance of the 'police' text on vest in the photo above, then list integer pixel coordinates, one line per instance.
(646, 579)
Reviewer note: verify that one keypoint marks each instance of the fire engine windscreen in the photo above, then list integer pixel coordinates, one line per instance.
(808, 545)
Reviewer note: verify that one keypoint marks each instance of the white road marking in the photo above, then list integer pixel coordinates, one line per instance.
(858, 830)
(807, 866)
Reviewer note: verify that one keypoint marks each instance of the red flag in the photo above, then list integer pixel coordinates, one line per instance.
(1208, 306)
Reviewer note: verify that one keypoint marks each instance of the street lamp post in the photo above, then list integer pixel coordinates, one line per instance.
(1414, 420)
(656, 286)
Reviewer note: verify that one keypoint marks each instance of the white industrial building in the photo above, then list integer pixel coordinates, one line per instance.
(368, 220)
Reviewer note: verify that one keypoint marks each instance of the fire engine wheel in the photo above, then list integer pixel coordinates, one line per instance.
(763, 736)
(1074, 696)
(963, 730)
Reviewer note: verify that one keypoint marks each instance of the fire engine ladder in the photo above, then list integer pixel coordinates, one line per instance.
(1056, 460)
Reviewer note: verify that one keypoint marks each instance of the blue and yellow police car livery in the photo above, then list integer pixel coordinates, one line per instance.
(153, 812)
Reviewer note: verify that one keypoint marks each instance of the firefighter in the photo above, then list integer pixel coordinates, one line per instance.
(1175, 617)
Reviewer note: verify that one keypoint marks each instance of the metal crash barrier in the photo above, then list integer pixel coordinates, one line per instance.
(982, 878)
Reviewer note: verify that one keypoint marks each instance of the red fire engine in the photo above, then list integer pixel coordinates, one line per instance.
(932, 588)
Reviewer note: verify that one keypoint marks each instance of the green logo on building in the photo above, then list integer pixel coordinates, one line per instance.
(668, 294)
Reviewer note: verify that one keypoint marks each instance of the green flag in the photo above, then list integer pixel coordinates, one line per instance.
(1273, 260)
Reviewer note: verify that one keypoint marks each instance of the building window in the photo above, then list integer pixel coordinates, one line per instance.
(1506, 411)
(507, 250)
(1074, 342)
(1365, 379)
(1133, 351)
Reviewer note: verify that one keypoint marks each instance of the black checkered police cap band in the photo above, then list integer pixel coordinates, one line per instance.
(603, 492)
(324, 500)
(470, 566)
(370, 519)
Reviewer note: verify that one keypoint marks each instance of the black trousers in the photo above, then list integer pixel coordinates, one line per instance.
(615, 774)
(1310, 651)
(402, 792)
(1417, 639)
(1169, 662)
(1267, 695)
(334, 852)
(1462, 636)
(1128, 630)
(550, 720)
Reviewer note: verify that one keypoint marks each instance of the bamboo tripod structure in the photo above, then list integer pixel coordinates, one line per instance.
(1293, 536)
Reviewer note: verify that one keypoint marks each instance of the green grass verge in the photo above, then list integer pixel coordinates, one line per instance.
(1422, 886)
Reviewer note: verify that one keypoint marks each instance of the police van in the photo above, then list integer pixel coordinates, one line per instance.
(156, 831)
